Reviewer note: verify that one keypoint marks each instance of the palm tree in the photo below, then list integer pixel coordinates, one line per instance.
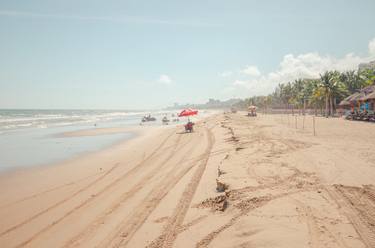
(307, 92)
(287, 94)
(332, 88)
(316, 96)
(368, 76)
(352, 81)
(326, 84)
(297, 92)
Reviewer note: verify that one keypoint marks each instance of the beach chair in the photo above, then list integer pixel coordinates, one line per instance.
(365, 116)
(350, 116)
(371, 116)
(359, 116)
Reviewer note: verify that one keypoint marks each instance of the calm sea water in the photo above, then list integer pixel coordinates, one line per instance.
(29, 137)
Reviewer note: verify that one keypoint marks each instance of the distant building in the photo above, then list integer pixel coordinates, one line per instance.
(366, 66)
(211, 104)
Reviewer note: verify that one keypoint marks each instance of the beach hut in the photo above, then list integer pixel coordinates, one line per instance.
(345, 102)
(360, 103)
(357, 99)
(370, 98)
(352, 101)
(345, 105)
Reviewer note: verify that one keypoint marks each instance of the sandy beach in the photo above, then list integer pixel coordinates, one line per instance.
(281, 187)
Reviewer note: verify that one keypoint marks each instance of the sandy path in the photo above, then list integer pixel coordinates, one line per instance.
(285, 188)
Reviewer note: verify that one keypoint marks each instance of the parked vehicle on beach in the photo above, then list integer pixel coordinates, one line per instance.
(165, 120)
(188, 113)
(189, 127)
(148, 118)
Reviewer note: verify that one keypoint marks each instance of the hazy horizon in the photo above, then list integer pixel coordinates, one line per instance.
(143, 55)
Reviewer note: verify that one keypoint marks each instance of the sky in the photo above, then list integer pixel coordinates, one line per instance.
(91, 54)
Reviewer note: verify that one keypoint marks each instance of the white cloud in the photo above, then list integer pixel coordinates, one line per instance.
(225, 74)
(165, 79)
(308, 65)
(240, 83)
(251, 71)
(371, 47)
(250, 84)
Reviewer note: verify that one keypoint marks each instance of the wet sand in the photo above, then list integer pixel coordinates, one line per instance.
(282, 187)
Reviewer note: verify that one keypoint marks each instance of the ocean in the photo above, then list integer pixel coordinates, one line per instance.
(31, 137)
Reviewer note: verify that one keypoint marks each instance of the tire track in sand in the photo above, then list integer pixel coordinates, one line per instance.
(358, 204)
(82, 204)
(245, 206)
(35, 195)
(24, 222)
(57, 187)
(167, 238)
(32, 196)
(129, 228)
(318, 230)
(94, 225)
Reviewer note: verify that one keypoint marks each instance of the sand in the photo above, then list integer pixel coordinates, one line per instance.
(100, 131)
(280, 185)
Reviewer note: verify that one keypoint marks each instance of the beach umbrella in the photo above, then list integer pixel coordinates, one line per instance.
(252, 107)
(187, 112)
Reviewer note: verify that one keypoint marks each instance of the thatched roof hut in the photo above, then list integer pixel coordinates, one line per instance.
(344, 102)
(370, 96)
(357, 97)
(365, 94)
(352, 99)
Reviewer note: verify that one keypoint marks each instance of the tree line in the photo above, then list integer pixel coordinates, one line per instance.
(321, 94)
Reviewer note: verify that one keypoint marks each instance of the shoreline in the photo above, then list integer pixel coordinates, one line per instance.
(134, 132)
(131, 132)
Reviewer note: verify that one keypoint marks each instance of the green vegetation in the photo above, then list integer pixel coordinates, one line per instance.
(322, 94)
